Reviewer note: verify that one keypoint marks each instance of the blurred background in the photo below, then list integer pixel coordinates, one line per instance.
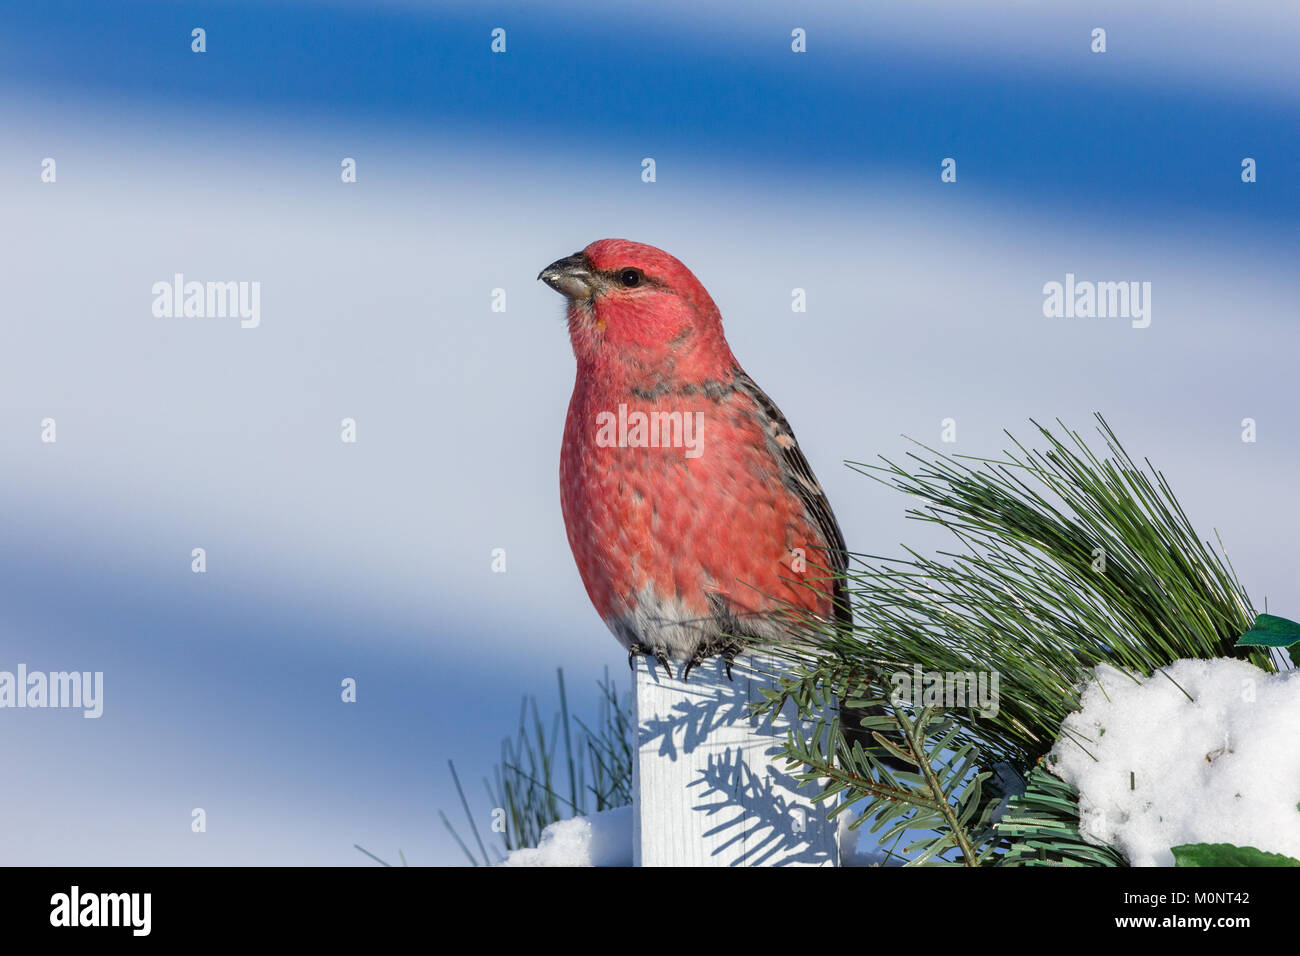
(775, 170)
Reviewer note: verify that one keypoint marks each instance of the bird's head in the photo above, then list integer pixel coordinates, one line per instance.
(632, 301)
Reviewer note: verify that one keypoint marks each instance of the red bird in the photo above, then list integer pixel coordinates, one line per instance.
(695, 520)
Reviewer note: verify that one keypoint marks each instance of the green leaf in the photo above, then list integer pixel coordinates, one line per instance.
(1225, 854)
(1270, 631)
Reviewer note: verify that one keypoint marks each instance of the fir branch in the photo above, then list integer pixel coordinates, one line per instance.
(1041, 827)
(1065, 559)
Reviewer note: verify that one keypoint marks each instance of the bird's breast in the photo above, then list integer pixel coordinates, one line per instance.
(677, 494)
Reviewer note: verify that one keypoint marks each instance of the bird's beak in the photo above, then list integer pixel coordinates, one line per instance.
(571, 276)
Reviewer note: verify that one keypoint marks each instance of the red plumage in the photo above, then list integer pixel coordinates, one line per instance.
(721, 532)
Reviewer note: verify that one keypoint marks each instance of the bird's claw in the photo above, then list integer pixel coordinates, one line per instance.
(727, 658)
(635, 649)
(662, 658)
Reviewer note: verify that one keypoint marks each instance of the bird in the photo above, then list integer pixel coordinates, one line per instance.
(695, 519)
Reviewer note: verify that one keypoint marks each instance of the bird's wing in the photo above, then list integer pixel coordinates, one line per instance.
(800, 479)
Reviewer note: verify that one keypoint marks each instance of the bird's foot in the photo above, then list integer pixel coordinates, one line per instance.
(660, 656)
(633, 650)
(726, 648)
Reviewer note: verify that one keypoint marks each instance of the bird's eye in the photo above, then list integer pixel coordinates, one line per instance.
(630, 277)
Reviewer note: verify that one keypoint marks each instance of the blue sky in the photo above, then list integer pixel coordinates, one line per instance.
(1080, 132)
(775, 170)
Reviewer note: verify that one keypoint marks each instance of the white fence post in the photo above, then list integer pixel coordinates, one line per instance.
(707, 789)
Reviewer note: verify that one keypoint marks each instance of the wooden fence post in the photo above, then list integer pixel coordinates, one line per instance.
(707, 789)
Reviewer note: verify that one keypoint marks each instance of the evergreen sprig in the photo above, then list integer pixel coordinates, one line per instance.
(1065, 560)
(534, 788)
(918, 777)
(1041, 828)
